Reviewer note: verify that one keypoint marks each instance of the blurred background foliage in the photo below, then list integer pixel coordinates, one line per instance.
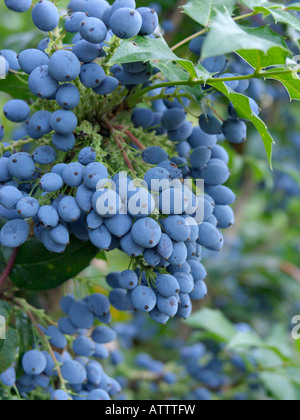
(255, 280)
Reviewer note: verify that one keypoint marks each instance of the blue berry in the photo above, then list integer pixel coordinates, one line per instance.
(177, 228)
(154, 155)
(128, 280)
(73, 372)
(143, 299)
(92, 75)
(39, 124)
(125, 23)
(235, 131)
(93, 173)
(19, 6)
(9, 197)
(98, 395)
(48, 216)
(100, 237)
(142, 117)
(80, 315)
(63, 121)
(16, 110)
(73, 22)
(14, 233)
(57, 338)
(167, 285)
(8, 378)
(68, 96)
(73, 174)
(12, 58)
(86, 156)
(59, 395)
(86, 51)
(104, 335)
(64, 66)
(84, 346)
(41, 83)
(93, 30)
(108, 86)
(44, 155)
(64, 142)
(167, 305)
(68, 209)
(32, 58)
(66, 327)
(84, 199)
(45, 16)
(98, 304)
(34, 362)
(146, 232)
(51, 182)
(210, 124)
(60, 234)
(27, 207)
(149, 20)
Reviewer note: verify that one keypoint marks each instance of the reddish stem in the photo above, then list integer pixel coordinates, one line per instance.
(119, 140)
(9, 266)
(131, 136)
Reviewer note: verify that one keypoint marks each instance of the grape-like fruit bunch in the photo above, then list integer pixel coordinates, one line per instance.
(79, 364)
(61, 176)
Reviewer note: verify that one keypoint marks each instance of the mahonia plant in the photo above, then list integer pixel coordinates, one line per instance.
(117, 144)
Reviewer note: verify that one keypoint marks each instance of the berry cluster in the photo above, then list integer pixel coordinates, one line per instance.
(161, 221)
(72, 366)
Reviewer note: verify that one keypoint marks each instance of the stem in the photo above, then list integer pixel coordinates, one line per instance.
(211, 81)
(9, 266)
(45, 342)
(131, 136)
(190, 38)
(206, 29)
(119, 140)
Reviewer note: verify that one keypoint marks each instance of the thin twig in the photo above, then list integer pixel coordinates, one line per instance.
(131, 136)
(9, 266)
(119, 140)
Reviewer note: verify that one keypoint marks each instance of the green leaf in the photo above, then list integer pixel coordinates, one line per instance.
(203, 11)
(37, 269)
(15, 88)
(174, 73)
(275, 56)
(253, 4)
(279, 386)
(214, 322)
(226, 36)
(9, 349)
(242, 106)
(148, 49)
(282, 16)
(289, 80)
(251, 340)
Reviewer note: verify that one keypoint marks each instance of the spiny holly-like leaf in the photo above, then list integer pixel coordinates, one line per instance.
(275, 56)
(289, 80)
(148, 49)
(37, 269)
(242, 106)
(226, 36)
(203, 11)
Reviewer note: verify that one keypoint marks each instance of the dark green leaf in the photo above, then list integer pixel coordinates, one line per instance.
(203, 11)
(289, 80)
(148, 49)
(15, 88)
(9, 350)
(242, 106)
(37, 269)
